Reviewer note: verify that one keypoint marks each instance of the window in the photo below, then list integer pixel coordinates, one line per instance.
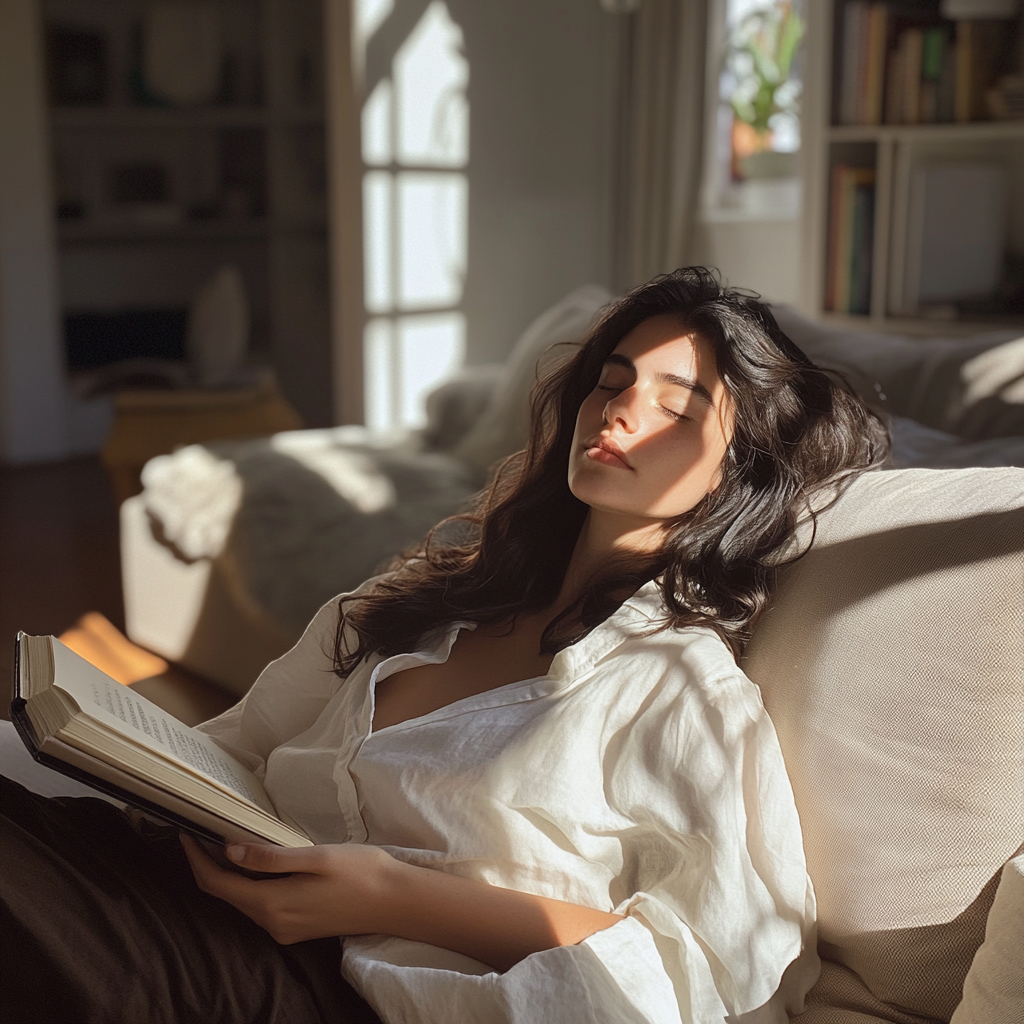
(415, 142)
(752, 165)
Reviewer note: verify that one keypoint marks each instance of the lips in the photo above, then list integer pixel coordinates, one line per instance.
(606, 451)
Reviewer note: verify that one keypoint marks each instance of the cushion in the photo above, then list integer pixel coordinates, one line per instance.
(454, 406)
(892, 663)
(994, 989)
(969, 386)
(504, 425)
(914, 444)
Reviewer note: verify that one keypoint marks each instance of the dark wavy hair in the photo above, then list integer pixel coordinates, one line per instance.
(798, 430)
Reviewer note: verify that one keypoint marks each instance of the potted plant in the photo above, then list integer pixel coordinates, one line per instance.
(760, 56)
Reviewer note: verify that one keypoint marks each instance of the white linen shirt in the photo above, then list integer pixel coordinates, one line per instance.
(640, 776)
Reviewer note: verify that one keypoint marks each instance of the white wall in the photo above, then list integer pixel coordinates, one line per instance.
(32, 414)
(541, 96)
(760, 254)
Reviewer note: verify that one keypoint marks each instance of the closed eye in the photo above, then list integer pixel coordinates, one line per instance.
(680, 417)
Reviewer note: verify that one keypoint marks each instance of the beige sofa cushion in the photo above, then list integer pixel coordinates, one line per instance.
(892, 662)
(972, 387)
(994, 989)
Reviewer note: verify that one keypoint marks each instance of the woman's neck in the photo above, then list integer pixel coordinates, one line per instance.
(605, 538)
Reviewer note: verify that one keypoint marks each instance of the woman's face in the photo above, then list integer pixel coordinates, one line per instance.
(651, 437)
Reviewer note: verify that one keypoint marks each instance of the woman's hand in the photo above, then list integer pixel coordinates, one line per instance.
(331, 889)
(351, 889)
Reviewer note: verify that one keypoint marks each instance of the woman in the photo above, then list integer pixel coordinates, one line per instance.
(529, 749)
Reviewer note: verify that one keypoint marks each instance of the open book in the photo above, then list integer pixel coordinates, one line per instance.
(76, 719)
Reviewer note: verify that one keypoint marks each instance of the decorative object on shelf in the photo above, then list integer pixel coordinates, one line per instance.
(181, 52)
(77, 64)
(218, 329)
(760, 57)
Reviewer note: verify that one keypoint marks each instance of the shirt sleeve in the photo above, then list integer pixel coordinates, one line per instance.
(714, 860)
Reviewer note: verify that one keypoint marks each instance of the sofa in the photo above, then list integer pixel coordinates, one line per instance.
(891, 658)
(233, 545)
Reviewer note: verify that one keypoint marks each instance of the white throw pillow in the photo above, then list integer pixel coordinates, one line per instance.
(994, 989)
(504, 425)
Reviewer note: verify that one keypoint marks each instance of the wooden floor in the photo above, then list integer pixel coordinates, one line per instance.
(59, 554)
(59, 558)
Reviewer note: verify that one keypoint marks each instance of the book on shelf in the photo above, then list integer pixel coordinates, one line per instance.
(851, 240)
(863, 56)
(75, 719)
(901, 63)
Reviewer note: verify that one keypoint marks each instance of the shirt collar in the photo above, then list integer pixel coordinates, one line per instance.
(639, 614)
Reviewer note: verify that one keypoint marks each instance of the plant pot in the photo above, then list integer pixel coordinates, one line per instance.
(768, 164)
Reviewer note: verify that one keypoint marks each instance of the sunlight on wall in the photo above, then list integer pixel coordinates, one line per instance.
(415, 141)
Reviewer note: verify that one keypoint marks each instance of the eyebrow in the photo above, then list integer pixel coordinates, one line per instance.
(694, 386)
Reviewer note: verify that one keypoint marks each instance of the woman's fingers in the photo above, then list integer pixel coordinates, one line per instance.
(323, 890)
(263, 857)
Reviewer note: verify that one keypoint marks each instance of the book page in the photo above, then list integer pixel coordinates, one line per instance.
(128, 713)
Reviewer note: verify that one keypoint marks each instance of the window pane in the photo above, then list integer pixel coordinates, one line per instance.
(379, 377)
(433, 239)
(430, 348)
(377, 126)
(431, 75)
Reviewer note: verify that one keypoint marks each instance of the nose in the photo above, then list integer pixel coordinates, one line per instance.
(623, 409)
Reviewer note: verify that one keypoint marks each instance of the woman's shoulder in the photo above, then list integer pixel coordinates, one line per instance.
(689, 664)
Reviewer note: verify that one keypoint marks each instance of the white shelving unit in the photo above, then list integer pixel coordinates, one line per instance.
(893, 151)
(247, 184)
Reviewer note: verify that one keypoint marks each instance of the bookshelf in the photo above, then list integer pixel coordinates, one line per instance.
(235, 177)
(894, 162)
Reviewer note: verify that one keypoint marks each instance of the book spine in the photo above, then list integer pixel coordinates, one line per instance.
(878, 32)
(846, 252)
(853, 22)
(894, 86)
(864, 66)
(863, 235)
(964, 71)
(834, 240)
(933, 47)
(947, 83)
(913, 48)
